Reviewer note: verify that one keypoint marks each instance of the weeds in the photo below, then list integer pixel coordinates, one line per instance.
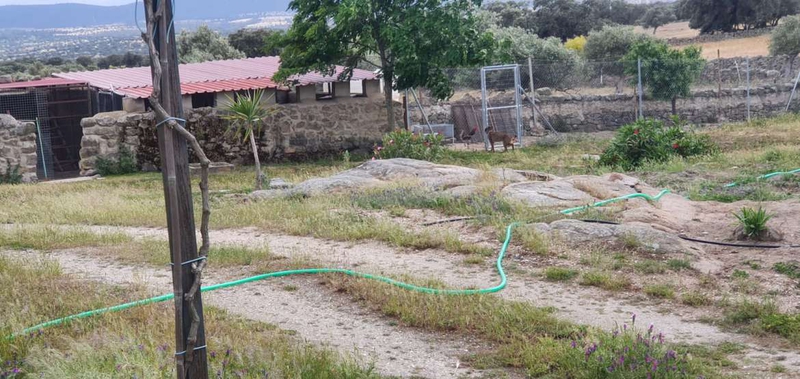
(790, 269)
(605, 281)
(661, 291)
(679, 264)
(123, 164)
(695, 299)
(11, 175)
(559, 274)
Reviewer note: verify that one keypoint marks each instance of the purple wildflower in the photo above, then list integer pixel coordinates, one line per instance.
(574, 345)
(633, 318)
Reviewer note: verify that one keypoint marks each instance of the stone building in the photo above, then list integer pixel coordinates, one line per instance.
(109, 109)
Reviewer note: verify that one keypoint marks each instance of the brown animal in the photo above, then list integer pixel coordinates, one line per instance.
(467, 137)
(495, 136)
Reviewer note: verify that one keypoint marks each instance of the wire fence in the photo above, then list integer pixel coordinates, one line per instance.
(588, 96)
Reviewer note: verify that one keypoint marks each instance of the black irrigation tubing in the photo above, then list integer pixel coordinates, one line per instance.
(449, 221)
(731, 244)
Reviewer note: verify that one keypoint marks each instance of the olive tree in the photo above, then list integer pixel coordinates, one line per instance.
(786, 39)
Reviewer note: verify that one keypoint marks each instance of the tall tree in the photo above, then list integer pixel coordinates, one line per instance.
(256, 42)
(246, 115)
(786, 39)
(711, 16)
(204, 45)
(657, 17)
(413, 39)
(667, 73)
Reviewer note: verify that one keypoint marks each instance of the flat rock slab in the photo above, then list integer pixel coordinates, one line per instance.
(557, 193)
(643, 236)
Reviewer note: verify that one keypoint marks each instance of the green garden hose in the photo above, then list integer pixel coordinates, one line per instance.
(767, 176)
(403, 285)
(616, 199)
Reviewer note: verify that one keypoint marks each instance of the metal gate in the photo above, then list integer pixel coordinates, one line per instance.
(501, 103)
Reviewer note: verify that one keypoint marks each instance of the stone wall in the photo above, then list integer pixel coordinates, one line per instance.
(702, 38)
(291, 130)
(765, 68)
(592, 113)
(18, 147)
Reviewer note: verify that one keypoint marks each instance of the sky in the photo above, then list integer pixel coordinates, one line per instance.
(94, 2)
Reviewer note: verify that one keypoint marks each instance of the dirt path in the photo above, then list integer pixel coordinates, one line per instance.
(317, 315)
(577, 304)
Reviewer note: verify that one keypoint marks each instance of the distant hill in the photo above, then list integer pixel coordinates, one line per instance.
(79, 15)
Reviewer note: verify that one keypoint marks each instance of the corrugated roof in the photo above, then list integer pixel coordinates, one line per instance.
(215, 76)
(46, 82)
(204, 87)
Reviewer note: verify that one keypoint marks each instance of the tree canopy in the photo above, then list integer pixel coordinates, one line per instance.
(256, 42)
(710, 16)
(667, 73)
(786, 39)
(204, 45)
(414, 40)
(657, 17)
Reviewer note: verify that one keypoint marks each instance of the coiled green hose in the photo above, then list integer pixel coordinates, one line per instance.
(433, 291)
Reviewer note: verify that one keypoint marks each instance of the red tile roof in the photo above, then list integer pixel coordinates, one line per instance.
(215, 76)
(46, 82)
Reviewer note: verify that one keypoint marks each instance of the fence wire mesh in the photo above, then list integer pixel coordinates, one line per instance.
(587, 96)
(31, 105)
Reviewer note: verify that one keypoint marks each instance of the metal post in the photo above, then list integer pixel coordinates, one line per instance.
(408, 112)
(518, 100)
(424, 116)
(484, 111)
(41, 148)
(640, 90)
(533, 93)
(748, 90)
(190, 357)
(791, 96)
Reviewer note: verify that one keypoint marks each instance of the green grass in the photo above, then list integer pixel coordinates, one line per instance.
(661, 291)
(138, 342)
(605, 280)
(762, 318)
(739, 274)
(790, 269)
(50, 238)
(559, 274)
(695, 299)
(650, 267)
(679, 264)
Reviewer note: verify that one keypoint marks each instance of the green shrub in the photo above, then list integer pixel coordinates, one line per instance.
(648, 140)
(125, 163)
(11, 175)
(784, 325)
(753, 222)
(404, 144)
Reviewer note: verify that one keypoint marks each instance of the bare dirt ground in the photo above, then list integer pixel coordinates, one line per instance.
(323, 317)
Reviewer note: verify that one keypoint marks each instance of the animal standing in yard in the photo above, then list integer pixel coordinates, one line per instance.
(495, 136)
(467, 138)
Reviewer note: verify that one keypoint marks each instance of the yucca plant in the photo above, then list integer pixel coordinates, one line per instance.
(753, 222)
(246, 117)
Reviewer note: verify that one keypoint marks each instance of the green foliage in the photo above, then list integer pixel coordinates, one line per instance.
(753, 222)
(11, 175)
(123, 164)
(555, 64)
(667, 73)
(784, 325)
(609, 44)
(648, 140)
(404, 144)
(559, 274)
(786, 38)
(695, 299)
(246, 114)
(204, 45)
(414, 41)
(740, 274)
(256, 42)
(576, 44)
(711, 16)
(656, 17)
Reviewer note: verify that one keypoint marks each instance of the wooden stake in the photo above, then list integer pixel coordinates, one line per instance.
(191, 358)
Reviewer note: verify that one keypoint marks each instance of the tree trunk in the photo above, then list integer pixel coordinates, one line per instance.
(259, 175)
(654, 30)
(674, 107)
(387, 93)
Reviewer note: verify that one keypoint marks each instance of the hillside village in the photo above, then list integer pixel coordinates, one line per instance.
(462, 189)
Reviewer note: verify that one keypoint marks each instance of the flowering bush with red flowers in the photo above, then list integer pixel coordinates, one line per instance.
(404, 144)
(649, 140)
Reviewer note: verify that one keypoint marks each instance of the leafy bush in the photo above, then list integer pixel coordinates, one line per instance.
(648, 140)
(576, 44)
(404, 144)
(554, 64)
(11, 175)
(753, 222)
(125, 163)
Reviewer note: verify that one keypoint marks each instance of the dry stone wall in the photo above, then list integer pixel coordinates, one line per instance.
(18, 147)
(290, 130)
(592, 113)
